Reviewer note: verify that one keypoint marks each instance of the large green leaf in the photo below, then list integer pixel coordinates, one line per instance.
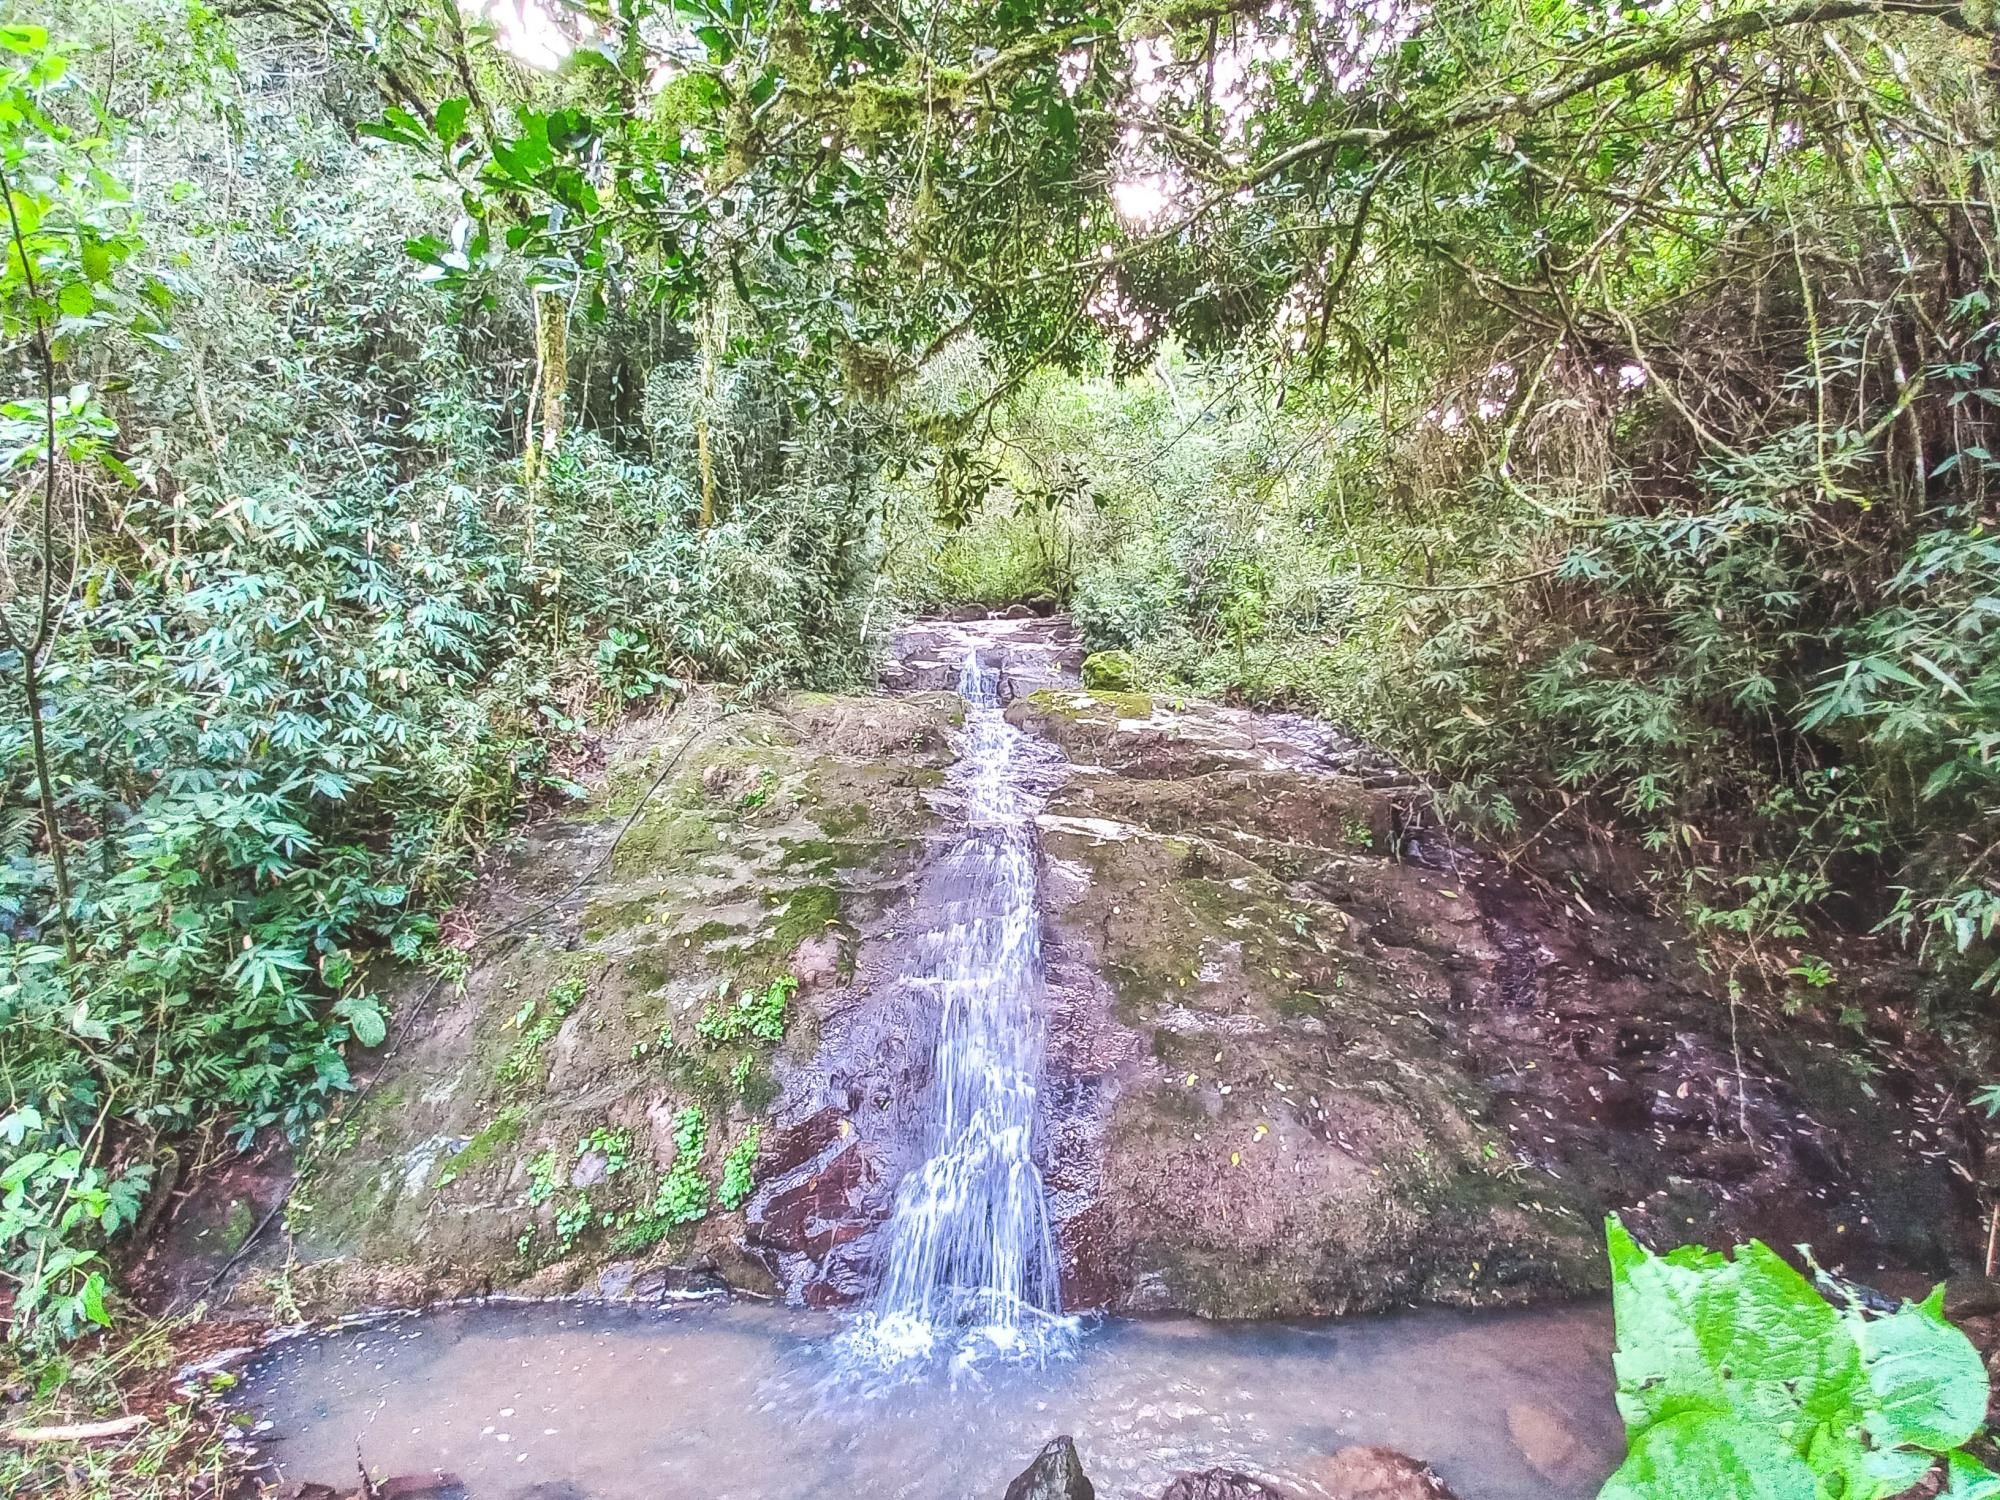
(1697, 1332)
(1705, 1456)
(1926, 1381)
(1969, 1479)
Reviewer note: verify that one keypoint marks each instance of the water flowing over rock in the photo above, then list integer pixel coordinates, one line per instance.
(971, 1264)
(1268, 1043)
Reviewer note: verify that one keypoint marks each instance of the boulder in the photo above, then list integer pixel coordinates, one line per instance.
(1361, 1473)
(816, 961)
(1110, 672)
(719, 854)
(1220, 1484)
(1326, 1061)
(1056, 1474)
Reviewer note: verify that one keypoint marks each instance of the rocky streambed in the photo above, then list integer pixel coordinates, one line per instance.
(1304, 1054)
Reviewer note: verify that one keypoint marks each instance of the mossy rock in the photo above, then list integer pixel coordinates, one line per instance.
(779, 829)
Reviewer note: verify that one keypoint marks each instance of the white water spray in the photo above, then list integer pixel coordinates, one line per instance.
(971, 1272)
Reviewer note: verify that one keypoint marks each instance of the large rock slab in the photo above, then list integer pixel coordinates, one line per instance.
(1305, 1054)
(1311, 1057)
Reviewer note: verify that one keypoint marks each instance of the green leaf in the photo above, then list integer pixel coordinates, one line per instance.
(1928, 1383)
(75, 300)
(364, 1016)
(21, 1169)
(1747, 1345)
(451, 120)
(1706, 1456)
(1966, 1478)
(1696, 1332)
(91, 1299)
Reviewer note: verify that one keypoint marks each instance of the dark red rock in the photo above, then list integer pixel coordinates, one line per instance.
(817, 1214)
(790, 1146)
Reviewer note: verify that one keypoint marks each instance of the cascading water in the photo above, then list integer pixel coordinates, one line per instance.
(971, 1271)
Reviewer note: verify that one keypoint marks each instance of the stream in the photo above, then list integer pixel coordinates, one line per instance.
(961, 1362)
(734, 1400)
(971, 1268)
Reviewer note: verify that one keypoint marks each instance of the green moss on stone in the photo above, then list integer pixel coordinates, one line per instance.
(502, 1131)
(1111, 671)
(236, 1227)
(807, 912)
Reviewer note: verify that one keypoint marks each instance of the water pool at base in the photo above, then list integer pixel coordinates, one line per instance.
(737, 1400)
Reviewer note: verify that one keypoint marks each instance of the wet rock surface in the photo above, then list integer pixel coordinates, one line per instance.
(1380, 1474)
(1305, 1053)
(1220, 1484)
(1056, 1474)
(1353, 1473)
(1337, 1061)
(1039, 652)
(521, 1132)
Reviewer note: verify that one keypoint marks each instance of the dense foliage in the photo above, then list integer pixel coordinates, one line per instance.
(1613, 439)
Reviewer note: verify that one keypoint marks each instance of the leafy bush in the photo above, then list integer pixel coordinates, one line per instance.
(1736, 1377)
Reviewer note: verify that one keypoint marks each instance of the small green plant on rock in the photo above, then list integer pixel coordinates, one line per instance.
(615, 1144)
(571, 1221)
(738, 1179)
(755, 1013)
(758, 795)
(1736, 1377)
(683, 1193)
(541, 1178)
(538, 1021)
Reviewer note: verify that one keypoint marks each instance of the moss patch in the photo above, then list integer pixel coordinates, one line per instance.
(500, 1133)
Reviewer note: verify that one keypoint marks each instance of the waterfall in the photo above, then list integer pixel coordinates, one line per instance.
(971, 1270)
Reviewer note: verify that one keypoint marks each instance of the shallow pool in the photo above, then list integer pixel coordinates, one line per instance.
(729, 1400)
